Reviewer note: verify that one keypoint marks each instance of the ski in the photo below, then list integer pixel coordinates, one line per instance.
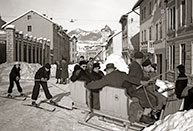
(42, 108)
(63, 107)
(15, 98)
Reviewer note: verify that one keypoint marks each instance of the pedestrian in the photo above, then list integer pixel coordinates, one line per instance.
(14, 76)
(41, 78)
(58, 72)
(183, 89)
(64, 71)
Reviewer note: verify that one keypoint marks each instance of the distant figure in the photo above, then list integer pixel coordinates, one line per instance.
(58, 71)
(14, 76)
(183, 89)
(41, 78)
(64, 71)
(90, 65)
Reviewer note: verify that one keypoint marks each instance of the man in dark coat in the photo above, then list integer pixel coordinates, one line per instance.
(14, 76)
(64, 71)
(58, 71)
(80, 73)
(113, 77)
(96, 75)
(181, 86)
(136, 78)
(41, 78)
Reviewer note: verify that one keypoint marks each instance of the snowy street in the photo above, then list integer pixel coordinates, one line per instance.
(17, 117)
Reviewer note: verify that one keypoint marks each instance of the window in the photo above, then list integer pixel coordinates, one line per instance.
(28, 17)
(191, 6)
(144, 12)
(150, 8)
(150, 37)
(171, 57)
(182, 13)
(156, 31)
(182, 54)
(29, 28)
(160, 30)
(172, 18)
(144, 35)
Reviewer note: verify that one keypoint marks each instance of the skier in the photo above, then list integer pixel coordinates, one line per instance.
(41, 78)
(14, 76)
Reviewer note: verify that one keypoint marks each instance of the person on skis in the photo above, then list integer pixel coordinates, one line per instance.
(41, 78)
(14, 76)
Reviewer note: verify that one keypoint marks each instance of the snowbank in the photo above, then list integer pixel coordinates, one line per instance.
(27, 70)
(180, 121)
(118, 62)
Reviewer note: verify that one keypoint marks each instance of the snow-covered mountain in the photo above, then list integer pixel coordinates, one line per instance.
(83, 35)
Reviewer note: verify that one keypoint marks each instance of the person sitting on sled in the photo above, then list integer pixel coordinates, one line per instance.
(41, 78)
(14, 76)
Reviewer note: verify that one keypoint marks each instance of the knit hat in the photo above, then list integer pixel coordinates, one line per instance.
(138, 55)
(146, 62)
(181, 68)
(47, 65)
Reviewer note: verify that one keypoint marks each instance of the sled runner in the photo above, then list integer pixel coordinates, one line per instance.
(57, 105)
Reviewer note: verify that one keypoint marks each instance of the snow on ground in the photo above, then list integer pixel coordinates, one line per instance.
(180, 121)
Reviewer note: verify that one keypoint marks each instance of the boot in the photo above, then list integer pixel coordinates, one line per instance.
(53, 102)
(9, 95)
(34, 104)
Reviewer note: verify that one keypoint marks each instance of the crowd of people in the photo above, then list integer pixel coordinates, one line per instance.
(139, 83)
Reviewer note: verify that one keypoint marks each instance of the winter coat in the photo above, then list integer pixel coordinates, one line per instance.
(42, 73)
(114, 79)
(135, 73)
(58, 71)
(64, 71)
(81, 75)
(180, 84)
(15, 72)
(95, 92)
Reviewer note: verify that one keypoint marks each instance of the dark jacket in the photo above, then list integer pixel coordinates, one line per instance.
(83, 75)
(42, 73)
(180, 84)
(14, 72)
(114, 79)
(58, 71)
(64, 71)
(135, 73)
(96, 76)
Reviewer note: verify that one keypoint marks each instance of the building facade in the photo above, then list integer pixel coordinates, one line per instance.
(179, 46)
(153, 32)
(73, 49)
(36, 24)
(130, 27)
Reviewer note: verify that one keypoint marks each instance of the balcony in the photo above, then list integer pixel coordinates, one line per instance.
(147, 46)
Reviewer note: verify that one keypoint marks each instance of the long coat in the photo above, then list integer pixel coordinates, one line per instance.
(58, 71)
(64, 71)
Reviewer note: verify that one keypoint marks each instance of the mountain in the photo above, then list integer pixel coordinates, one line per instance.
(83, 35)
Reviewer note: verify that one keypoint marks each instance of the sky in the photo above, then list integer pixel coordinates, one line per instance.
(86, 14)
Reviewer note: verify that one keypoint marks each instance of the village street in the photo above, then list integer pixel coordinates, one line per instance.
(17, 117)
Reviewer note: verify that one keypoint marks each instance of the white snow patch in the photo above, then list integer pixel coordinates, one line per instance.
(180, 121)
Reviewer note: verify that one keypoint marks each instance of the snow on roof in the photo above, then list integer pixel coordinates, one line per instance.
(33, 11)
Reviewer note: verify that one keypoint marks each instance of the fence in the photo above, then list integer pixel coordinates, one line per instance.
(20, 47)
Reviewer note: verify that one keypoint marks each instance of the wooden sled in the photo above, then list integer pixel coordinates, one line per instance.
(113, 106)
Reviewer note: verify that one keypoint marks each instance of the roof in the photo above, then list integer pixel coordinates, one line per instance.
(137, 4)
(8, 23)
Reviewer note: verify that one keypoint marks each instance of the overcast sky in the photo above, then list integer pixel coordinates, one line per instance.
(87, 14)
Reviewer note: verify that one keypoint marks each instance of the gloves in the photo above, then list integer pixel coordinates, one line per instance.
(17, 78)
(44, 79)
(77, 72)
